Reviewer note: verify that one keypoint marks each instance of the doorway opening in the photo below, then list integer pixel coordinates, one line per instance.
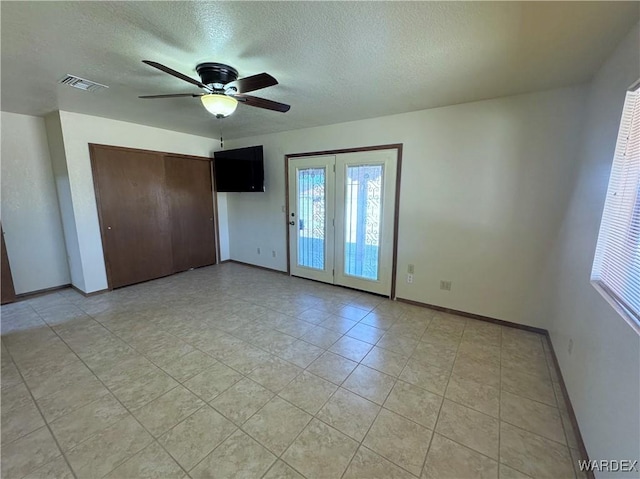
(342, 210)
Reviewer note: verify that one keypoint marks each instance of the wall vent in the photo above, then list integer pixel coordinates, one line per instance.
(81, 83)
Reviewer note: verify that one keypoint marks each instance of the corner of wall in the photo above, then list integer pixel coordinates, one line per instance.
(223, 226)
(55, 139)
(596, 349)
(30, 212)
(75, 131)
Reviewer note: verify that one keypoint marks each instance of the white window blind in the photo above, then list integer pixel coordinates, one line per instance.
(616, 267)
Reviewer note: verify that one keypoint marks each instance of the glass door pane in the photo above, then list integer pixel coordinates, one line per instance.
(311, 217)
(363, 208)
(364, 214)
(310, 222)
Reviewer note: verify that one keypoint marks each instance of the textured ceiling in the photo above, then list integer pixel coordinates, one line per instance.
(335, 61)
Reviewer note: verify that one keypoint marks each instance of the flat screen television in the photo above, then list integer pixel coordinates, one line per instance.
(240, 170)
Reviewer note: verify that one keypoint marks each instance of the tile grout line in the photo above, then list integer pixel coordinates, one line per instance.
(276, 394)
(361, 442)
(381, 406)
(294, 378)
(207, 403)
(55, 439)
(547, 349)
(444, 397)
(532, 433)
(500, 406)
(396, 379)
(513, 425)
(313, 416)
(539, 402)
(239, 426)
(119, 401)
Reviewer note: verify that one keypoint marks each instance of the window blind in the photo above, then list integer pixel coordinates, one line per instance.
(616, 267)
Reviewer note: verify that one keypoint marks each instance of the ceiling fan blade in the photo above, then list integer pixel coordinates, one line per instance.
(176, 74)
(174, 95)
(262, 103)
(253, 83)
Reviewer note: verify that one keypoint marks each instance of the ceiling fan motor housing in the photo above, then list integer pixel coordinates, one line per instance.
(222, 86)
(216, 73)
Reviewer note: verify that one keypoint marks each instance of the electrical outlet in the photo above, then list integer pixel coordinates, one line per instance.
(445, 285)
(410, 269)
(258, 250)
(273, 253)
(570, 347)
(410, 278)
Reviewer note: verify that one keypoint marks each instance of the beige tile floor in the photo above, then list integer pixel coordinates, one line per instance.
(232, 371)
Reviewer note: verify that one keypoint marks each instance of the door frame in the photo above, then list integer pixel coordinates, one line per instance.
(395, 146)
(216, 227)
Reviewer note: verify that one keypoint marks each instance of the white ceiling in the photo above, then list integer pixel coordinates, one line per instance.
(335, 61)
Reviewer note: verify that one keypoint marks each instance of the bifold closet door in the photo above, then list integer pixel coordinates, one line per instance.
(134, 214)
(189, 190)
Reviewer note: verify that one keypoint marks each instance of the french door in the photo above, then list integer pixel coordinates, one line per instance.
(341, 216)
(311, 214)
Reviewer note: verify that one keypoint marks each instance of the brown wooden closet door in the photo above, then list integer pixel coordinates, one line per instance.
(191, 210)
(134, 214)
(8, 293)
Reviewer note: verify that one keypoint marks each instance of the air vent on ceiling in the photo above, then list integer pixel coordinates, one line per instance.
(81, 83)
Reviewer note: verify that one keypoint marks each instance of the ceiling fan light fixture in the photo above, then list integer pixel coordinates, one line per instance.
(219, 105)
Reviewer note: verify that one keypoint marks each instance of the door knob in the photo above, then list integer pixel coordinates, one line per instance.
(292, 223)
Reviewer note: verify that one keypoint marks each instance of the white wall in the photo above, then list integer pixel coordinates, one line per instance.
(223, 219)
(603, 372)
(78, 131)
(65, 203)
(483, 190)
(30, 215)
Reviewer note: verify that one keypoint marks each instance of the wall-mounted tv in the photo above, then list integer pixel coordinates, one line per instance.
(240, 170)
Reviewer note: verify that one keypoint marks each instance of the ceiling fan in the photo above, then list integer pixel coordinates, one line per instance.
(223, 89)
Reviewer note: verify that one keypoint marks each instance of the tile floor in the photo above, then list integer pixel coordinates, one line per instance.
(232, 371)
